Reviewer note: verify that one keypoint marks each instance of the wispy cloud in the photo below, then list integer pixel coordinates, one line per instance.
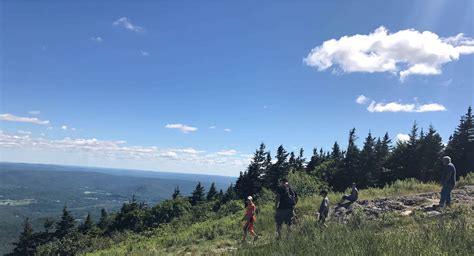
(34, 112)
(144, 53)
(97, 39)
(13, 118)
(182, 127)
(230, 152)
(119, 149)
(400, 107)
(64, 127)
(212, 127)
(125, 22)
(361, 99)
(406, 52)
(227, 130)
(23, 132)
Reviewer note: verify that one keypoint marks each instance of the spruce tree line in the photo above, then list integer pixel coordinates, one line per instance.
(378, 162)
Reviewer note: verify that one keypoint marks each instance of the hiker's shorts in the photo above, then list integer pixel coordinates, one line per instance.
(284, 215)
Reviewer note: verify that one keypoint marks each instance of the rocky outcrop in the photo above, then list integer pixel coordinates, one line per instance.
(425, 203)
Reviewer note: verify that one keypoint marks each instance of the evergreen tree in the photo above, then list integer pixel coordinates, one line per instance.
(292, 162)
(26, 243)
(212, 193)
(459, 148)
(382, 153)
(251, 181)
(176, 193)
(88, 225)
(198, 195)
(346, 174)
(104, 221)
(430, 152)
(412, 162)
(368, 163)
(313, 162)
(66, 224)
(300, 161)
(230, 194)
(278, 170)
(48, 225)
(336, 153)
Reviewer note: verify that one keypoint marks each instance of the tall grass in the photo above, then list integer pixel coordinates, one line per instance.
(450, 234)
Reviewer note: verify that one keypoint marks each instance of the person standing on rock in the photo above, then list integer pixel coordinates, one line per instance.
(448, 181)
(286, 201)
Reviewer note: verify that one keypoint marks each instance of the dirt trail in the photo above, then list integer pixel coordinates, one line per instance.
(404, 205)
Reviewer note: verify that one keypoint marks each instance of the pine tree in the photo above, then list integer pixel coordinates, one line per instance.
(412, 163)
(346, 174)
(66, 224)
(313, 162)
(104, 221)
(278, 170)
(300, 161)
(198, 195)
(176, 193)
(336, 153)
(87, 226)
(292, 162)
(430, 150)
(230, 194)
(26, 243)
(48, 225)
(459, 148)
(250, 182)
(382, 154)
(212, 193)
(368, 163)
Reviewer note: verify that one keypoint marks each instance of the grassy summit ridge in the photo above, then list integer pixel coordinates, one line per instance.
(449, 233)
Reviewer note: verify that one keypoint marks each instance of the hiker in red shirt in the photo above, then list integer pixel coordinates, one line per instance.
(249, 218)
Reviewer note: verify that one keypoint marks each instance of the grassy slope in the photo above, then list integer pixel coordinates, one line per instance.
(391, 235)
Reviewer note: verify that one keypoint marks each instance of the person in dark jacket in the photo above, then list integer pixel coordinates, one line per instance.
(448, 181)
(286, 201)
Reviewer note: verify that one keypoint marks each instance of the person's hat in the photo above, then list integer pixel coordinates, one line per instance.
(250, 198)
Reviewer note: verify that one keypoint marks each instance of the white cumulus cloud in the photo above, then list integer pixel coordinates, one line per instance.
(403, 137)
(406, 52)
(361, 99)
(13, 118)
(184, 128)
(127, 24)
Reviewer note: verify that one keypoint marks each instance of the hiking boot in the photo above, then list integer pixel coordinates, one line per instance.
(255, 238)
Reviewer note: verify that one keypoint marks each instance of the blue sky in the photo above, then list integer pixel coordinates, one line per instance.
(195, 87)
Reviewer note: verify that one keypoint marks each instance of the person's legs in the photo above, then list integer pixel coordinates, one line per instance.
(245, 232)
(448, 196)
(279, 222)
(443, 198)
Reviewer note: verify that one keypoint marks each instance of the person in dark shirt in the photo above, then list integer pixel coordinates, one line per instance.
(286, 200)
(324, 207)
(448, 181)
(352, 197)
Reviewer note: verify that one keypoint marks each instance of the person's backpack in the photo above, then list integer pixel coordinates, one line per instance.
(290, 196)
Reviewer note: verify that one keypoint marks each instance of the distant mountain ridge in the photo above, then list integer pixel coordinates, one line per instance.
(40, 191)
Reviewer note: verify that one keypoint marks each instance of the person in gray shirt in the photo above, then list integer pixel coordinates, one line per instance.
(448, 181)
